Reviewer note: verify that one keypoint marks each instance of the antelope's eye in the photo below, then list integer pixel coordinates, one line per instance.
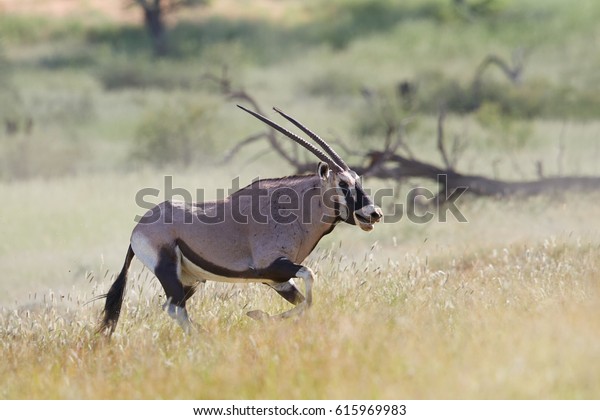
(343, 184)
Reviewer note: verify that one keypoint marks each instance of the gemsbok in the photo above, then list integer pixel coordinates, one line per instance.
(261, 233)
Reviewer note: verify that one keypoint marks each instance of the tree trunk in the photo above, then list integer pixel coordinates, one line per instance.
(450, 180)
(153, 19)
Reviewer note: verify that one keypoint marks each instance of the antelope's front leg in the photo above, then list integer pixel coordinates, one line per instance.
(308, 276)
(289, 291)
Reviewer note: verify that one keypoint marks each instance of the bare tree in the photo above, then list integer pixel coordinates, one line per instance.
(513, 71)
(395, 161)
(154, 14)
(226, 88)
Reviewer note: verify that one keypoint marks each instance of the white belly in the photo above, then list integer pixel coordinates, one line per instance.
(192, 274)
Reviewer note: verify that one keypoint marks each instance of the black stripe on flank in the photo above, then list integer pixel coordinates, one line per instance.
(281, 269)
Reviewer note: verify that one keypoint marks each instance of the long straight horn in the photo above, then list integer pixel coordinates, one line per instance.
(318, 153)
(316, 138)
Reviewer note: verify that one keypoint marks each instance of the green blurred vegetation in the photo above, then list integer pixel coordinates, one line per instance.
(83, 94)
(166, 135)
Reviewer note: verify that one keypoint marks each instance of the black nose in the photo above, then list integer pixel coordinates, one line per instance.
(376, 215)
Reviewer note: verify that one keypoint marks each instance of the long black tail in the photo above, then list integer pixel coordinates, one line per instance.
(114, 297)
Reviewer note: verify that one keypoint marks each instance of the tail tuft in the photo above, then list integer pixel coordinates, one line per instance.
(114, 298)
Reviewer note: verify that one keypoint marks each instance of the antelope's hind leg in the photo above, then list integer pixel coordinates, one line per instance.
(168, 272)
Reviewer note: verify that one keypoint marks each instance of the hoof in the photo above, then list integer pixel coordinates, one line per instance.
(258, 315)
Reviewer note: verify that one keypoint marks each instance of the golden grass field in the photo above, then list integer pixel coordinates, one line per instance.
(505, 306)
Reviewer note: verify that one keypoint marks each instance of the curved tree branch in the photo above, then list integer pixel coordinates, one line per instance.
(225, 86)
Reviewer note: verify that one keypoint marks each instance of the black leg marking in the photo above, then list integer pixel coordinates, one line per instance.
(289, 292)
(280, 271)
(166, 272)
(188, 292)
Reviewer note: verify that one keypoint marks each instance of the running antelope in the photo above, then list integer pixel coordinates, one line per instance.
(261, 233)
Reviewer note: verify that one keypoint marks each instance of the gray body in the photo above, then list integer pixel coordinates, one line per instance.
(212, 234)
(261, 233)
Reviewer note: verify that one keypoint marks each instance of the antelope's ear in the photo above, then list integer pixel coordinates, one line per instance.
(323, 171)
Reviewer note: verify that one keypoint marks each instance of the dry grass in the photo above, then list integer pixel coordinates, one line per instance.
(505, 306)
(520, 322)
